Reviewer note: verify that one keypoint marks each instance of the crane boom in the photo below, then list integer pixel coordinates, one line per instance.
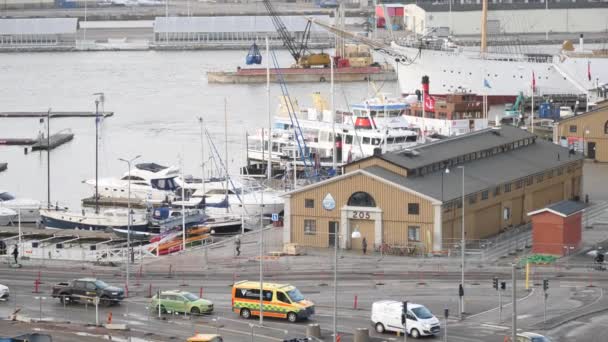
(289, 41)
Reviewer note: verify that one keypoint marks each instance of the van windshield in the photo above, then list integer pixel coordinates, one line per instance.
(422, 312)
(295, 295)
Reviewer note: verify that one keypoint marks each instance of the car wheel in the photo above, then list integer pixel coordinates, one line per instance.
(379, 328)
(195, 311)
(245, 313)
(105, 301)
(415, 333)
(292, 317)
(63, 299)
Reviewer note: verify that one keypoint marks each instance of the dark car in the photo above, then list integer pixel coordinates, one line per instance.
(86, 290)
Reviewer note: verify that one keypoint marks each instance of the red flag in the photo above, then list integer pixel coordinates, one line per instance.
(429, 103)
(589, 70)
(533, 82)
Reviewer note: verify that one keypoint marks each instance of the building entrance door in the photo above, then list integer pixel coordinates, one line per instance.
(591, 150)
(333, 230)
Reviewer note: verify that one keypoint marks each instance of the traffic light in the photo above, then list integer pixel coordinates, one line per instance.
(495, 283)
(404, 313)
(545, 284)
(503, 285)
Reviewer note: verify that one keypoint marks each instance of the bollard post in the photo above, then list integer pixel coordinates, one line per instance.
(126, 290)
(36, 285)
(200, 292)
(150, 291)
(170, 275)
(355, 303)
(96, 311)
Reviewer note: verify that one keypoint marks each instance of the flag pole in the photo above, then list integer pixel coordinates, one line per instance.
(532, 109)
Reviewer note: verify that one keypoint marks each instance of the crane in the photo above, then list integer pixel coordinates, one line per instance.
(298, 50)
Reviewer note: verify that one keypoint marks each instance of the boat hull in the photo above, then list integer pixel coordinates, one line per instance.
(57, 223)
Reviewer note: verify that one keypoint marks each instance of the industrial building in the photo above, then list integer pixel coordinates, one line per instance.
(233, 31)
(504, 17)
(413, 198)
(586, 133)
(38, 33)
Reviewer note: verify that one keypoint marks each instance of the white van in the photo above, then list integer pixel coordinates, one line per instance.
(386, 316)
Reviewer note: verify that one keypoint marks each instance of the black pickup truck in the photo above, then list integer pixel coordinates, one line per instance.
(86, 289)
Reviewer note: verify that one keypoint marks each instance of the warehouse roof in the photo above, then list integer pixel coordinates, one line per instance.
(485, 173)
(231, 24)
(563, 208)
(39, 26)
(446, 149)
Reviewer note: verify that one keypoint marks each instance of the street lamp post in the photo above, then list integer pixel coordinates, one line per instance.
(462, 246)
(355, 235)
(585, 133)
(129, 161)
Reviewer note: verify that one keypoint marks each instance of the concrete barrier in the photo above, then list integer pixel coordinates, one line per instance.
(361, 335)
(313, 330)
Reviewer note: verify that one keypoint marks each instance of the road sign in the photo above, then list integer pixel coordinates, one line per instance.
(275, 217)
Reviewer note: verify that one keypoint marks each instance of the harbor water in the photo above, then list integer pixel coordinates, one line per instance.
(156, 96)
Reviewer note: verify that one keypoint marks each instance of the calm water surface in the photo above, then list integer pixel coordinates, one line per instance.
(156, 97)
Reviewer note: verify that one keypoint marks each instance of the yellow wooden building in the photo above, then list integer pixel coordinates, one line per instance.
(586, 133)
(413, 198)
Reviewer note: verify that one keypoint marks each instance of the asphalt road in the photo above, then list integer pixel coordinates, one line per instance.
(567, 295)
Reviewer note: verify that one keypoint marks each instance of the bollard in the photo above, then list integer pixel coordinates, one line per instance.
(170, 275)
(126, 291)
(361, 335)
(36, 286)
(150, 291)
(355, 303)
(200, 293)
(39, 279)
(313, 330)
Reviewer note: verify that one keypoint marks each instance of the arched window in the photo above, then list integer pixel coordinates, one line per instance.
(361, 199)
(606, 128)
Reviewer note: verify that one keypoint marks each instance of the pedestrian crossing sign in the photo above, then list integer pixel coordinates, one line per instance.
(275, 217)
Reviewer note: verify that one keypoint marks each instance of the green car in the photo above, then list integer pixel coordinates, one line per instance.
(181, 301)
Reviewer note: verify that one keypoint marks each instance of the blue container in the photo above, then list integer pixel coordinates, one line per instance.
(545, 111)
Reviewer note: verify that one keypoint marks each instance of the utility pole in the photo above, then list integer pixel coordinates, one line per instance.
(514, 299)
(546, 294)
(96, 156)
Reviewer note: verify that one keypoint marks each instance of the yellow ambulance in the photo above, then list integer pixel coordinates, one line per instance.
(279, 301)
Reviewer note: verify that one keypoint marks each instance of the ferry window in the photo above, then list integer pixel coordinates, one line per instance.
(310, 227)
(375, 141)
(413, 233)
(380, 114)
(366, 141)
(358, 112)
(372, 113)
(484, 195)
(275, 147)
(348, 139)
(572, 128)
(399, 140)
(265, 145)
(411, 138)
(390, 140)
(309, 203)
(413, 208)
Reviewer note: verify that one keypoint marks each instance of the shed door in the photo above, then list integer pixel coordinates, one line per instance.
(333, 230)
(591, 150)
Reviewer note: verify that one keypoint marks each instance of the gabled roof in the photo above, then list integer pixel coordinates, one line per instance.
(563, 208)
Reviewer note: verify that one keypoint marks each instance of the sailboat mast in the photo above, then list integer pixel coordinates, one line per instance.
(96, 156)
(269, 165)
(48, 157)
(202, 156)
(226, 146)
(484, 26)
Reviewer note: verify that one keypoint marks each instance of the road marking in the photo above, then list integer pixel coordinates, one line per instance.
(492, 326)
(496, 308)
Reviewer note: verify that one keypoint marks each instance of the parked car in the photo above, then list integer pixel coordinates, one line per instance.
(86, 289)
(206, 338)
(181, 301)
(4, 292)
(386, 316)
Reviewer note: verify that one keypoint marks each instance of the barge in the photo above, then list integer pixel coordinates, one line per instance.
(312, 75)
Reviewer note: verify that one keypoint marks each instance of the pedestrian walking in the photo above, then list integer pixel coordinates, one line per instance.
(16, 253)
(237, 245)
(364, 245)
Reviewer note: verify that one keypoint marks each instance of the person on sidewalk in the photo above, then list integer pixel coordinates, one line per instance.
(16, 253)
(237, 245)
(364, 245)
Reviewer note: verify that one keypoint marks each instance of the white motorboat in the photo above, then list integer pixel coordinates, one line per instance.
(7, 216)
(106, 220)
(29, 209)
(150, 183)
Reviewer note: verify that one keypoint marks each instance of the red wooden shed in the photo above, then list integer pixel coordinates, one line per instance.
(557, 228)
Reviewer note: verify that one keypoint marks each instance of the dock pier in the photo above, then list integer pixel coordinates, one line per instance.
(54, 114)
(55, 140)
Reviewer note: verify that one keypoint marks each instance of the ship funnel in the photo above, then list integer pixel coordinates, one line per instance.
(581, 43)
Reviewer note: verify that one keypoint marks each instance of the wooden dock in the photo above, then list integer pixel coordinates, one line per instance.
(53, 114)
(56, 140)
(3, 166)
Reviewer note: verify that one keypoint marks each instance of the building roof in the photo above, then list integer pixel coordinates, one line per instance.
(445, 149)
(485, 173)
(564, 208)
(38, 26)
(232, 24)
